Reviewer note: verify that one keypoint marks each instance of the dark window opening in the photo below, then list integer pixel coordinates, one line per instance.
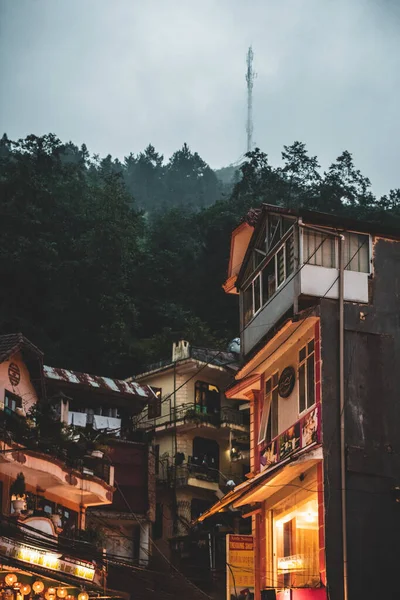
(207, 398)
(158, 523)
(154, 406)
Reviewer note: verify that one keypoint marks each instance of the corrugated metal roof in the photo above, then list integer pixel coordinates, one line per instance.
(102, 383)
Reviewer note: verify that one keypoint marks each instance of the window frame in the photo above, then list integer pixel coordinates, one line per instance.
(335, 242)
(304, 362)
(266, 414)
(14, 398)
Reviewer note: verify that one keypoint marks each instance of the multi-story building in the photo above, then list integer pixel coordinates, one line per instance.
(201, 447)
(44, 492)
(320, 339)
(103, 409)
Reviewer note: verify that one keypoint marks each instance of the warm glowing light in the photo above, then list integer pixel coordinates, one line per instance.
(50, 561)
(290, 563)
(11, 578)
(49, 596)
(38, 587)
(25, 589)
(69, 597)
(83, 596)
(62, 592)
(52, 591)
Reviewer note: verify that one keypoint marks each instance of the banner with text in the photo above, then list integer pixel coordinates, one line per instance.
(240, 567)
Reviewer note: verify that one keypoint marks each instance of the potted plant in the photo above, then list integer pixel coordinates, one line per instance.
(17, 491)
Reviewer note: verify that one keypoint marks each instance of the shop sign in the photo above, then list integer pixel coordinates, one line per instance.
(47, 560)
(300, 435)
(240, 567)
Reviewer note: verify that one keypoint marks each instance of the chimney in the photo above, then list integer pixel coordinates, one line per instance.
(180, 350)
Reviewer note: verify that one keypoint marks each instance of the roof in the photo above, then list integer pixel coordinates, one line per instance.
(311, 217)
(126, 388)
(328, 220)
(228, 360)
(12, 343)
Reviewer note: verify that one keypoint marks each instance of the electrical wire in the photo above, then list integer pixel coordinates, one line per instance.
(192, 585)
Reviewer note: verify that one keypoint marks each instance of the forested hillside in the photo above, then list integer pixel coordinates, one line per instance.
(105, 262)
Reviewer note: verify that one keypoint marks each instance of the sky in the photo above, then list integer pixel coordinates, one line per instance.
(120, 74)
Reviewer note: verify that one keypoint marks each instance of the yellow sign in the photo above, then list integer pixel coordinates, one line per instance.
(34, 556)
(240, 567)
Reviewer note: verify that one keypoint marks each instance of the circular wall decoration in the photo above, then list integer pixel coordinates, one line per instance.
(286, 382)
(14, 374)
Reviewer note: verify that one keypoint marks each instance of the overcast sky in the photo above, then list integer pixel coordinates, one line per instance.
(118, 74)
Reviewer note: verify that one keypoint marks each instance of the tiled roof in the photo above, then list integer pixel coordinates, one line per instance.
(14, 342)
(126, 388)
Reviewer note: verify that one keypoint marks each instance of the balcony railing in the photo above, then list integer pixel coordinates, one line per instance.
(190, 412)
(179, 475)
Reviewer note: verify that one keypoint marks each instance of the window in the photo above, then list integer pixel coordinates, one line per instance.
(11, 401)
(158, 523)
(154, 407)
(295, 531)
(324, 252)
(207, 397)
(356, 252)
(265, 284)
(306, 377)
(269, 418)
(318, 249)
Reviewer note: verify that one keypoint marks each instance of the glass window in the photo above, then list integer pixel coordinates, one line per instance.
(306, 375)
(295, 532)
(280, 266)
(269, 417)
(11, 401)
(318, 249)
(356, 252)
(289, 251)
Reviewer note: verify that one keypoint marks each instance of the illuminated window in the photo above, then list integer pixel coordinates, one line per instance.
(295, 532)
(306, 377)
(154, 407)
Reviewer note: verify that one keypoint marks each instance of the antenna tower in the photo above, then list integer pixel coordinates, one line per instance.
(250, 75)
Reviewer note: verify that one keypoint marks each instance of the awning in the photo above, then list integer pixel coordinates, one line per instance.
(266, 483)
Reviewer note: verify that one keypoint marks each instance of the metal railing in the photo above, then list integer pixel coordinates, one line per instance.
(190, 412)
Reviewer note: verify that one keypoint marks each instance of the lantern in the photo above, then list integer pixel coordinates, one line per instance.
(62, 592)
(25, 589)
(52, 591)
(69, 597)
(49, 596)
(83, 596)
(38, 587)
(11, 579)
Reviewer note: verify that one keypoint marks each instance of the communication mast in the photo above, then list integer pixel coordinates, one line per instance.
(250, 75)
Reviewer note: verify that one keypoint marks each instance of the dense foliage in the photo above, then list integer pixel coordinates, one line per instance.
(104, 263)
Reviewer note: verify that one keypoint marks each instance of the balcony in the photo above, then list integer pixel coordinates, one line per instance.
(191, 415)
(60, 466)
(192, 473)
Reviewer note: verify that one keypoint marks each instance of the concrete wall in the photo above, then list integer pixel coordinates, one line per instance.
(268, 316)
(372, 416)
(25, 387)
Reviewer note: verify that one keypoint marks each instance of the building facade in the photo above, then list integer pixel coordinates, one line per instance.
(44, 493)
(201, 449)
(320, 340)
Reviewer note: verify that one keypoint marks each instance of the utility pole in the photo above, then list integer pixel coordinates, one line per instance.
(250, 75)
